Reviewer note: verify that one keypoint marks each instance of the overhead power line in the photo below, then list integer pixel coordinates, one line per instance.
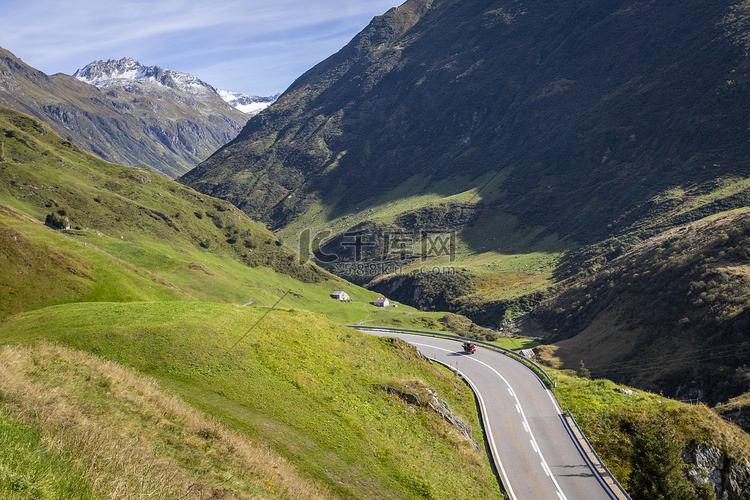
(259, 320)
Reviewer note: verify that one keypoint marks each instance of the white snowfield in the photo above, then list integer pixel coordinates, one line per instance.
(251, 104)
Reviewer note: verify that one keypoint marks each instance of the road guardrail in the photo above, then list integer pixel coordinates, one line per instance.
(610, 484)
(538, 370)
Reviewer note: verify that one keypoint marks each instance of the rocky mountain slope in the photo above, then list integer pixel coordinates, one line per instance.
(671, 314)
(167, 122)
(573, 117)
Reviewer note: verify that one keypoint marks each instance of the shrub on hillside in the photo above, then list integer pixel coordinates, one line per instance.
(657, 465)
(56, 221)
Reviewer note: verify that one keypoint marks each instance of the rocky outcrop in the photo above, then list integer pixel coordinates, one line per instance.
(737, 413)
(417, 395)
(729, 479)
(626, 391)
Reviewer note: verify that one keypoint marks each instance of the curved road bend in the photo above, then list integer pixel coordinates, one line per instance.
(535, 456)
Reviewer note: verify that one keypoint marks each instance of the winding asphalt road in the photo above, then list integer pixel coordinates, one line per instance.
(535, 456)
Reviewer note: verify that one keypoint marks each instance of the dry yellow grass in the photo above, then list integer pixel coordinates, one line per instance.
(130, 438)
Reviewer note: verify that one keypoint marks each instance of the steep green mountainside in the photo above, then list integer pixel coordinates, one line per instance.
(81, 229)
(140, 353)
(541, 137)
(565, 118)
(648, 441)
(159, 229)
(167, 131)
(520, 131)
(672, 314)
(213, 390)
(77, 228)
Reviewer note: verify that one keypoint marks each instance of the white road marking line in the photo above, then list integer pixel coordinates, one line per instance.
(523, 415)
(490, 438)
(554, 401)
(545, 469)
(533, 445)
(526, 427)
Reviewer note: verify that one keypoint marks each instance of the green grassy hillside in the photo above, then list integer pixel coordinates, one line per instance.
(134, 235)
(630, 427)
(148, 292)
(314, 391)
(120, 233)
(30, 469)
(149, 322)
(81, 427)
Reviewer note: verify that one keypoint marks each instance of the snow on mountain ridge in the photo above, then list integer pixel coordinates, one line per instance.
(127, 70)
(251, 104)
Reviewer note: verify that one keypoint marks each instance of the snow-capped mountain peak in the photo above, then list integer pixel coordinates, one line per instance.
(250, 104)
(127, 70)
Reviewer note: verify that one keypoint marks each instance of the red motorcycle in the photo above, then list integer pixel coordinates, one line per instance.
(469, 348)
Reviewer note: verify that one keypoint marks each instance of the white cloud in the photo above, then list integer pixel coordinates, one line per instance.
(249, 46)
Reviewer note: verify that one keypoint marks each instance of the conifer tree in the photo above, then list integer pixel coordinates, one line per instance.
(657, 465)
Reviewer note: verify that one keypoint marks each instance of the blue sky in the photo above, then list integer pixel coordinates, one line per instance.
(252, 46)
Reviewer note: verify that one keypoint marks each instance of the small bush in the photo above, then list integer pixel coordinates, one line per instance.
(53, 220)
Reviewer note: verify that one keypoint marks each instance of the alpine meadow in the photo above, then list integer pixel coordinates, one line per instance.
(185, 288)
